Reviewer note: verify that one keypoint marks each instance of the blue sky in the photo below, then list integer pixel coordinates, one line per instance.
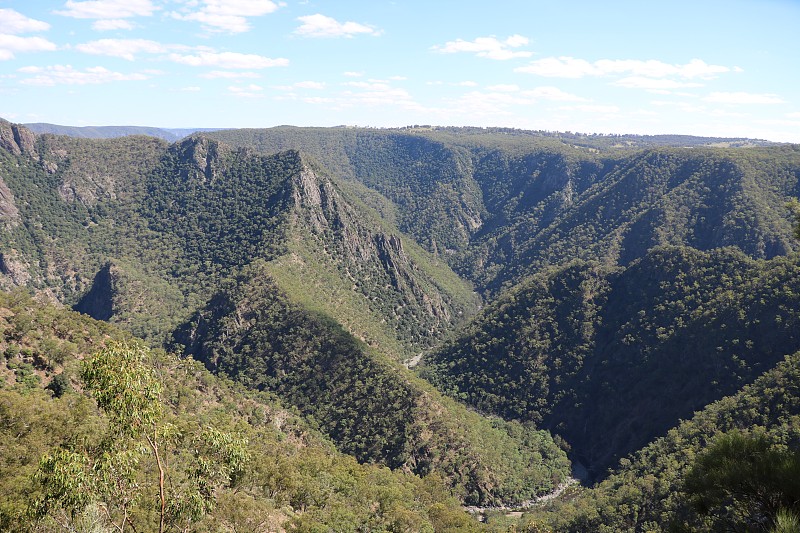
(701, 67)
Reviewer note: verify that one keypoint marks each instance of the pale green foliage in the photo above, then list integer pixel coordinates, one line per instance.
(113, 473)
(786, 522)
(124, 388)
(66, 481)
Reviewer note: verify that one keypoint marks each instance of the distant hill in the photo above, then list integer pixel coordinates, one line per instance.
(498, 205)
(110, 132)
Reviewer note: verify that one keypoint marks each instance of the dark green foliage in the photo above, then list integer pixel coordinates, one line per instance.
(646, 492)
(224, 208)
(742, 482)
(369, 406)
(611, 359)
(59, 385)
(254, 334)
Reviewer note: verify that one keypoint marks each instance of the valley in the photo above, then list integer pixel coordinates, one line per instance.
(407, 321)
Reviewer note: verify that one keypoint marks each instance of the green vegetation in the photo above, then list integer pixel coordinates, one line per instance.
(628, 282)
(648, 490)
(232, 460)
(371, 407)
(743, 481)
(609, 360)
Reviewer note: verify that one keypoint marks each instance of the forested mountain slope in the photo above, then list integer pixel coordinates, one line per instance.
(499, 206)
(610, 359)
(146, 233)
(647, 493)
(371, 407)
(271, 470)
(628, 281)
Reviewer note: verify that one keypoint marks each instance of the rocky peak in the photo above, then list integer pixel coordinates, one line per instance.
(17, 139)
(203, 157)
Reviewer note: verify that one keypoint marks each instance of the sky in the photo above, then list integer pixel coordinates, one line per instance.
(701, 67)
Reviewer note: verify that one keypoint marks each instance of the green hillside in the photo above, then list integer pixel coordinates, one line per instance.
(647, 493)
(271, 469)
(590, 291)
(370, 406)
(498, 206)
(610, 359)
(149, 241)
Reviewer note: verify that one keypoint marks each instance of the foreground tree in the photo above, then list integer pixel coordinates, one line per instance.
(120, 472)
(745, 483)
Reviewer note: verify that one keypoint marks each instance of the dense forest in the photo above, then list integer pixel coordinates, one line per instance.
(364, 329)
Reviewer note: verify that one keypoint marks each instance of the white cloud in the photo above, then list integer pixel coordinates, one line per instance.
(14, 22)
(371, 84)
(743, 98)
(249, 91)
(228, 15)
(505, 100)
(503, 88)
(67, 75)
(351, 74)
(488, 47)
(467, 83)
(319, 25)
(554, 94)
(11, 44)
(107, 9)
(124, 48)
(192, 89)
(640, 82)
(561, 67)
(229, 74)
(111, 25)
(570, 67)
(230, 60)
(793, 115)
(309, 85)
(593, 108)
(398, 78)
(317, 100)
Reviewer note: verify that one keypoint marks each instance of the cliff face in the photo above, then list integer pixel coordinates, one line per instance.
(17, 139)
(372, 259)
(9, 214)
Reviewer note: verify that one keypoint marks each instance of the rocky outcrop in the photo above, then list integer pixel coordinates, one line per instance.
(17, 139)
(9, 214)
(14, 270)
(203, 158)
(88, 190)
(373, 258)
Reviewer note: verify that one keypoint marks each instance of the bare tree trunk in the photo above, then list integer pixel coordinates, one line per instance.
(154, 446)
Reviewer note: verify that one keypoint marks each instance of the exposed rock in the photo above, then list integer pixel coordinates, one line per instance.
(89, 190)
(9, 214)
(14, 270)
(204, 156)
(18, 139)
